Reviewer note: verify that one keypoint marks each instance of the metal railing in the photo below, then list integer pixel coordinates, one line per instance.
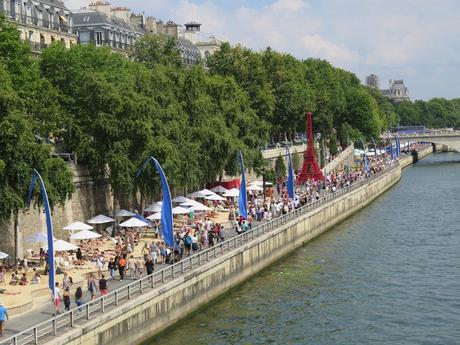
(35, 20)
(68, 320)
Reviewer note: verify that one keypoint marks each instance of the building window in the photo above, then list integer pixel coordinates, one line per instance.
(84, 37)
(86, 19)
(31, 36)
(98, 38)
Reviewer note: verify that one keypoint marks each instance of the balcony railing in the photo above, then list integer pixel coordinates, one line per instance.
(37, 47)
(24, 19)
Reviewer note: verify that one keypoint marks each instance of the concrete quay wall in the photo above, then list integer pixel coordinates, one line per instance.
(160, 308)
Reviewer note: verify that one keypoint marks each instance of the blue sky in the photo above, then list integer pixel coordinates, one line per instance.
(414, 40)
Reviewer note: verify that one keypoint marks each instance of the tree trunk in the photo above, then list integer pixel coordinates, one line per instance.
(16, 237)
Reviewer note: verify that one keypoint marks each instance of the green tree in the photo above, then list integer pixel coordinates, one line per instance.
(280, 167)
(333, 144)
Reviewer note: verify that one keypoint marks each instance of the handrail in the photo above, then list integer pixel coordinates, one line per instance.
(68, 319)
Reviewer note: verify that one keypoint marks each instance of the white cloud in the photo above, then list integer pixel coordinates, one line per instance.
(321, 47)
(290, 5)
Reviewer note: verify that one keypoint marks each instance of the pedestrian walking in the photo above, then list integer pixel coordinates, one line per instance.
(79, 298)
(66, 297)
(3, 317)
(149, 265)
(112, 266)
(121, 266)
(92, 288)
(57, 299)
(103, 286)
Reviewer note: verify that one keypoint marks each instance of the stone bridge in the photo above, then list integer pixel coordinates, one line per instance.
(441, 137)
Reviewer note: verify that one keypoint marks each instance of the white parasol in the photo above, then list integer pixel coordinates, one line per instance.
(180, 199)
(196, 195)
(191, 203)
(156, 207)
(3, 255)
(180, 210)
(254, 188)
(199, 207)
(215, 197)
(234, 192)
(219, 189)
(134, 223)
(62, 246)
(155, 216)
(261, 183)
(100, 219)
(85, 235)
(78, 226)
(37, 238)
(206, 192)
(125, 213)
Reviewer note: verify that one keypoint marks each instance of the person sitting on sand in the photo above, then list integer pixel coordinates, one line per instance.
(14, 279)
(23, 281)
(36, 279)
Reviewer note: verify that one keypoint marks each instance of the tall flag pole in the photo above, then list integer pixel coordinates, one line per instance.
(166, 209)
(242, 199)
(290, 182)
(49, 226)
(366, 164)
(398, 147)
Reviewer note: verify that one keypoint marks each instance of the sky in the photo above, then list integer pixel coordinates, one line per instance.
(414, 40)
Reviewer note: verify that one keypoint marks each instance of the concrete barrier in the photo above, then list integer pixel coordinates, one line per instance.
(152, 312)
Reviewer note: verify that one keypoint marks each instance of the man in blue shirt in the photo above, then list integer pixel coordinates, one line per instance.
(3, 317)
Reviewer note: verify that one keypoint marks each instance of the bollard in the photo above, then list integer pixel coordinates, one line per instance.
(35, 335)
(129, 292)
(54, 327)
(141, 287)
(182, 267)
(102, 305)
(172, 271)
(162, 276)
(153, 280)
(87, 311)
(71, 319)
(116, 297)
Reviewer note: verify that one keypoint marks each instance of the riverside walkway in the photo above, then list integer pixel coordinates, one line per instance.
(46, 326)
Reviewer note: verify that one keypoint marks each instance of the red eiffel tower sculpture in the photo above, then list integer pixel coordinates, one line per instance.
(310, 168)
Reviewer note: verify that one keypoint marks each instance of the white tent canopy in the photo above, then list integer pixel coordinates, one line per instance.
(100, 219)
(234, 192)
(85, 235)
(215, 197)
(125, 213)
(155, 207)
(37, 238)
(62, 246)
(134, 223)
(199, 207)
(78, 226)
(180, 210)
(3, 255)
(180, 199)
(219, 189)
(155, 216)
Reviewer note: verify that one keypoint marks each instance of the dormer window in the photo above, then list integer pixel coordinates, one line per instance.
(86, 19)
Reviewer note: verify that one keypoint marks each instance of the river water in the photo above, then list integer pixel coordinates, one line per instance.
(390, 274)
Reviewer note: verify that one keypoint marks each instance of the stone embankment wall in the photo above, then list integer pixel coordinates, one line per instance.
(152, 312)
(88, 199)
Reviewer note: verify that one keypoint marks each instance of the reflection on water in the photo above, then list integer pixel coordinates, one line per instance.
(390, 274)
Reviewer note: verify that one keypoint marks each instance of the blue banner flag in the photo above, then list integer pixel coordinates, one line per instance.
(392, 154)
(398, 147)
(166, 209)
(242, 199)
(366, 164)
(290, 181)
(49, 226)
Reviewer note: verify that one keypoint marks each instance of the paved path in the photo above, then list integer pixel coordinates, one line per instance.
(45, 311)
